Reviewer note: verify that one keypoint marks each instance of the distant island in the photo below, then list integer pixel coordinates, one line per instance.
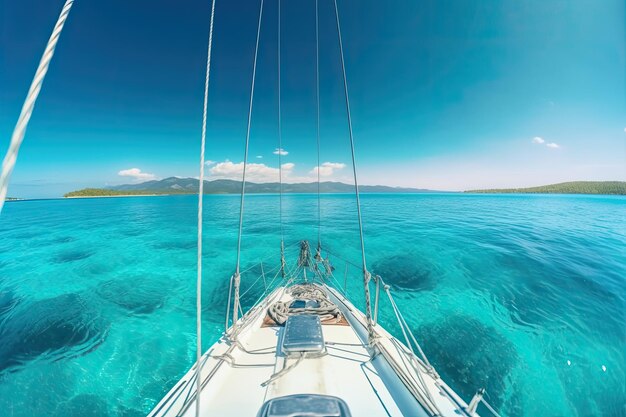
(574, 187)
(105, 192)
(175, 185)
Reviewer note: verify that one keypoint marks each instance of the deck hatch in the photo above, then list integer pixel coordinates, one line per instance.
(303, 333)
(304, 304)
(309, 405)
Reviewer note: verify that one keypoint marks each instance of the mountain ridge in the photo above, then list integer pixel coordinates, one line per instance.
(176, 185)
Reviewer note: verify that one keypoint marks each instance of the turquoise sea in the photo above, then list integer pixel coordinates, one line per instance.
(524, 295)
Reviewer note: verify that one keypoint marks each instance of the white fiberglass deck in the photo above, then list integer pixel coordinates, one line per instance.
(234, 374)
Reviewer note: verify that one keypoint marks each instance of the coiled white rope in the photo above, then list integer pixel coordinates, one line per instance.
(200, 199)
(29, 104)
(326, 309)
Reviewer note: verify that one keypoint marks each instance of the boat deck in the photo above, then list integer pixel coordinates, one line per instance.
(235, 374)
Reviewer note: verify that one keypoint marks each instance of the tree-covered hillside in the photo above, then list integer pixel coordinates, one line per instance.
(175, 185)
(102, 192)
(574, 187)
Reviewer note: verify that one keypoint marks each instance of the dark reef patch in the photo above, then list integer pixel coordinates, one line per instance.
(406, 272)
(72, 255)
(137, 295)
(84, 405)
(54, 328)
(469, 356)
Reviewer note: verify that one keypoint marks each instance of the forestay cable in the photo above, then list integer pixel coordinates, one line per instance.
(366, 274)
(280, 162)
(29, 104)
(237, 277)
(200, 199)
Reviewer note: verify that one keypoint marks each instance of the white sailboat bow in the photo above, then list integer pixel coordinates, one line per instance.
(326, 359)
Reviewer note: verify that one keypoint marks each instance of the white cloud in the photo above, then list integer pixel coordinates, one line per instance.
(327, 169)
(280, 151)
(254, 172)
(259, 172)
(259, 156)
(136, 174)
(541, 141)
(538, 140)
(625, 130)
(209, 162)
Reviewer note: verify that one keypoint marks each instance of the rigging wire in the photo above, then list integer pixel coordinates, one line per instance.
(366, 274)
(200, 199)
(280, 161)
(243, 180)
(29, 104)
(317, 88)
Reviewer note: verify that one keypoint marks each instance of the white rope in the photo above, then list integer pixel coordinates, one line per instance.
(285, 370)
(200, 199)
(245, 163)
(29, 104)
(366, 275)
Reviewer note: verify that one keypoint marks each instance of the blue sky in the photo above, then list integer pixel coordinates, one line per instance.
(445, 94)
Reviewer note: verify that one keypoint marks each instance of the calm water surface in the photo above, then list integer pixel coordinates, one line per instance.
(522, 295)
